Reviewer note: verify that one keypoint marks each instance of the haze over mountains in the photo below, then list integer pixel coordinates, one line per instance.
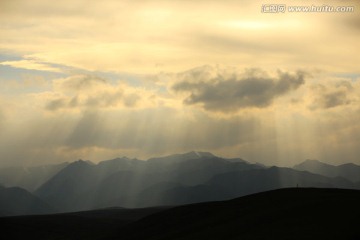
(29, 178)
(172, 180)
(17, 201)
(349, 170)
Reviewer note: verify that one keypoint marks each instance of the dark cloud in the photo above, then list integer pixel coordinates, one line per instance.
(56, 104)
(231, 94)
(332, 96)
(334, 99)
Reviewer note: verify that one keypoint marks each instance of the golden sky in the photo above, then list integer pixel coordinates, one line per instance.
(101, 79)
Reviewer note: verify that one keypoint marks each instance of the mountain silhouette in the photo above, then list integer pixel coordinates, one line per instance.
(67, 190)
(234, 184)
(18, 201)
(96, 224)
(172, 180)
(349, 170)
(126, 182)
(29, 178)
(289, 213)
(296, 213)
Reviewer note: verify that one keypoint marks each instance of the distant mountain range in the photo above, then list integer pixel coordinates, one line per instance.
(17, 201)
(29, 178)
(172, 180)
(348, 170)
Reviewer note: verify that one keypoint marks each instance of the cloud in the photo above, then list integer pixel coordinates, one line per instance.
(136, 37)
(81, 82)
(91, 117)
(331, 96)
(90, 92)
(231, 93)
(56, 104)
(334, 99)
(46, 119)
(131, 100)
(32, 65)
(26, 83)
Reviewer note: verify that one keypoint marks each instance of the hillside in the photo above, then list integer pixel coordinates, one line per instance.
(97, 224)
(297, 213)
(293, 213)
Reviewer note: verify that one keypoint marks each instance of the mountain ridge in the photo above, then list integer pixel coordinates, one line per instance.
(173, 180)
(350, 171)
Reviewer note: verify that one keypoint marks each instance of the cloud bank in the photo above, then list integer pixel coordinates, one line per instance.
(231, 94)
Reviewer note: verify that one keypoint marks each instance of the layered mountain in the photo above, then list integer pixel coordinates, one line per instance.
(349, 170)
(129, 182)
(234, 184)
(29, 178)
(68, 189)
(172, 180)
(18, 201)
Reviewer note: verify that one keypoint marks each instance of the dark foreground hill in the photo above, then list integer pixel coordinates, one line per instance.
(293, 213)
(96, 224)
(296, 213)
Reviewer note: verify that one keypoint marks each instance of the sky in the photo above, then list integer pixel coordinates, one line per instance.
(103, 79)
